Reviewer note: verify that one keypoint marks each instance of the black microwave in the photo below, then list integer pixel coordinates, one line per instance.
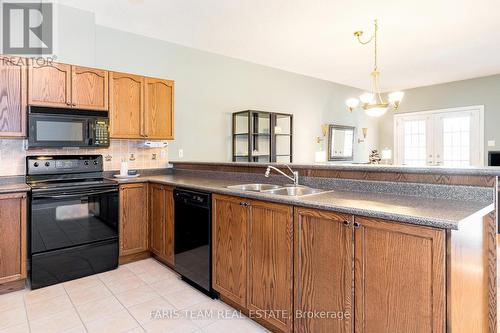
(61, 127)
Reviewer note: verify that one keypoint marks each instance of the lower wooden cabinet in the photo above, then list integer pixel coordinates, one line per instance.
(229, 248)
(400, 277)
(371, 275)
(323, 271)
(270, 263)
(161, 222)
(133, 219)
(12, 237)
(253, 258)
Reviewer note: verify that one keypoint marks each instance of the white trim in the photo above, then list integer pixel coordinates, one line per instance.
(419, 114)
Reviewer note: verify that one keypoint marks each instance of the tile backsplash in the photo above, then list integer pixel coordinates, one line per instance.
(12, 155)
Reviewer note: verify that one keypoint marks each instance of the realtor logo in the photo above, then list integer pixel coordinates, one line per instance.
(27, 28)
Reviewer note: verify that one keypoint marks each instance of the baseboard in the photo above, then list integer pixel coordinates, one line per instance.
(9, 287)
(134, 257)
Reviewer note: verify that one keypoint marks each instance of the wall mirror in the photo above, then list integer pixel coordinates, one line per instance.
(340, 143)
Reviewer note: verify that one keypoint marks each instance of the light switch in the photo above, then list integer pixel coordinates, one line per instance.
(491, 143)
(181, 153)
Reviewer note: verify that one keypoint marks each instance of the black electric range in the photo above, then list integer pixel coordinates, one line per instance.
(73, 224)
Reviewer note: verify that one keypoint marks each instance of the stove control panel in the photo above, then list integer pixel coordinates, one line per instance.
(63, 164)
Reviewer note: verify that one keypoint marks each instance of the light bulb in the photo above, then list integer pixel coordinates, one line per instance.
(352, 103)
(367, 98)
(376, 111)
(396, 97)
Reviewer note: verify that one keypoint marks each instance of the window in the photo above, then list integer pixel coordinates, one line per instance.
(451, 137)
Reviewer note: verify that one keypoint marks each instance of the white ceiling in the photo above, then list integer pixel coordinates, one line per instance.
(421, 42)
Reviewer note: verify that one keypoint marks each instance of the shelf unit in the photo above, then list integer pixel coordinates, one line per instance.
(260, 136)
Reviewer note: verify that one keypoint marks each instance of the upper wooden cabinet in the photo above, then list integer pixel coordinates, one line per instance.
(159, 105)
(229, 248)
(12, 237)
(400, 277)
(141, 107)
(161, 219)
(133, 219)
(89, 88)
(61, 85)
(49, 84)
(323, 271)
(13, 85)
(126, 106)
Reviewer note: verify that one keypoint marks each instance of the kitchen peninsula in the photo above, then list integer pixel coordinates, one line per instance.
(419, 240)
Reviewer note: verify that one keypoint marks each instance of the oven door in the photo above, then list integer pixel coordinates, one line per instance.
(47, 130)
(61, 220)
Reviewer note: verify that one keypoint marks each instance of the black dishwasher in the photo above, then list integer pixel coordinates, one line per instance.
(193, 238)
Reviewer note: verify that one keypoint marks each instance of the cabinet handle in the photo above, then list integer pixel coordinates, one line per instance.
(357, 225)
(245, 204)
(347, 223)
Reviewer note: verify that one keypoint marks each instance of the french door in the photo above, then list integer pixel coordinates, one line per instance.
(451, 137)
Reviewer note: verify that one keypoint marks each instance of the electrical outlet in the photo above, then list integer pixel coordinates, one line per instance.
(181, 153)
(491, 143)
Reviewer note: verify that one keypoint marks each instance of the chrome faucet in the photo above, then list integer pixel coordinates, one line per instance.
(295, 174)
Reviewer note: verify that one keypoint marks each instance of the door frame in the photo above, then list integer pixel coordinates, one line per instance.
(480, 108)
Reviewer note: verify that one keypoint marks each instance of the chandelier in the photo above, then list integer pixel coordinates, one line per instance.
(372, 102)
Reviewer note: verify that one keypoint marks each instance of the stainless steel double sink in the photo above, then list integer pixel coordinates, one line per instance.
(292, 190)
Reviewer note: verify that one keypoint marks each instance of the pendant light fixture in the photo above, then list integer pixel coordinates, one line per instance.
(372, 102)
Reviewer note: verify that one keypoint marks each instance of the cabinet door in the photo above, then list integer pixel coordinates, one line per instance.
(159, 116)
(162, 222)
(399, 277)
(49, 84)
(12, 237)
(169, 225)
(13, 86)
(126, 106)
(157, 219)
(89, 88)
(270, 262)
(133, 219)
(323, 271)
(229, 248)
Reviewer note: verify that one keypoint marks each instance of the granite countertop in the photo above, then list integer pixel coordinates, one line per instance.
(471, 171)
(440, 213)
(13, 185)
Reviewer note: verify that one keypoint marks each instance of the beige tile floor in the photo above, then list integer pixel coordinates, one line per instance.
(143, 296)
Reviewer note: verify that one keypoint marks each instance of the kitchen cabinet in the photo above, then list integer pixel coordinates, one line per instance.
(253, 257)
(49, 84)
(397, 270)
(133, 219)
(63, 85)
(400, 277)
(12, 237)
(13, 96)
(141, 107)
(126, 94)
(159, 107)
(161, 218)
(323, 271)
(270, 263)
(229, 248)
(89, 89)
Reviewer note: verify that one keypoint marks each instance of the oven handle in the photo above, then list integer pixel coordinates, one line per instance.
(75, 195)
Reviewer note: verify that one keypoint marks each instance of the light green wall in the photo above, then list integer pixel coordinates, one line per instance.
(210, 87)
(480, 91)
